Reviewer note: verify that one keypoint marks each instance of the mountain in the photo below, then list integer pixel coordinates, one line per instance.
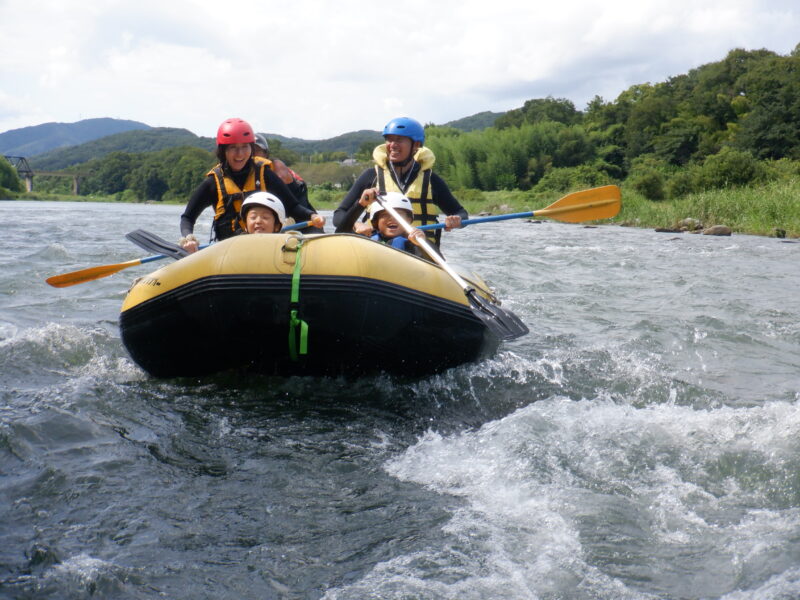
(55, 146)
(481, 120)
(352, 141)
(148, 140)
(37, 139)
(347, 142)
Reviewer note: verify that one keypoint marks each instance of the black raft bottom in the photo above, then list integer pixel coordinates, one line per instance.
(356, 327)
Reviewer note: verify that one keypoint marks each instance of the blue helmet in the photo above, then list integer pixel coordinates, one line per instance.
(405, 127)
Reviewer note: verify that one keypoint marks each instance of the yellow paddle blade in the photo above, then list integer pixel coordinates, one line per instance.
(90, 274)
(588, 205)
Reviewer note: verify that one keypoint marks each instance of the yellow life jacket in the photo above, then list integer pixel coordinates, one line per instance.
(418, 190)
(230, 197)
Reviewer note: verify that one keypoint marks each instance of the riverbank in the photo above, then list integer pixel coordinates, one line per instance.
(770, 210)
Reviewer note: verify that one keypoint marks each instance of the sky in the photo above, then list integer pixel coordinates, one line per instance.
(314, 69)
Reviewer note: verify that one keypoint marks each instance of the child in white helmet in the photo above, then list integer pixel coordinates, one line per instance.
(386, 229)
(263, 212)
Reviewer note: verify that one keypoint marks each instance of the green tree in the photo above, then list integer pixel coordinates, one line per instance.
(441, 131)
(110, 174)
(279, 151)
(771, 129)
(567, 179)
(677, 140)
(149, 180)
(649, 107)
(574, 147)
(364, 152)
(559, 110)
(730, 167)
(9, 179)
(188, 172)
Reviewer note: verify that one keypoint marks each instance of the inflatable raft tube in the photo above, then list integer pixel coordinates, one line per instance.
(367, 308)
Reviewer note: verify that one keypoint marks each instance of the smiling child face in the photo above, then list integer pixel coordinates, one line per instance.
(387, 225)
(261, 219)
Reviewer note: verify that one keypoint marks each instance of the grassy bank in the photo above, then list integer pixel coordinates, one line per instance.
(115, 198)
(756, 210)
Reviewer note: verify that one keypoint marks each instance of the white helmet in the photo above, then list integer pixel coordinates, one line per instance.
(394, 199)
(270, 201)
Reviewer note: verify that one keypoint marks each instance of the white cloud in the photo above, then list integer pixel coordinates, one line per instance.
(313, 69)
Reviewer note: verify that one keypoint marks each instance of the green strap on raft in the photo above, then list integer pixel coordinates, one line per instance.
(294, 321)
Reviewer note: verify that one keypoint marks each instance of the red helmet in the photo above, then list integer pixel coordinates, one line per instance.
(235, 131)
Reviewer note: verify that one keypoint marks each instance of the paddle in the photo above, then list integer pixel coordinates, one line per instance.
(587, 205)
(150, 240)
(92, 273)
(505, 324)
(153, 243)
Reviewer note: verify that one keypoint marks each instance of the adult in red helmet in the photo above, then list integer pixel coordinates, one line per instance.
(237, 175)
(402, 164)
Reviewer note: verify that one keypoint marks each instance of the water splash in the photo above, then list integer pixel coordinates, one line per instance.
(548, 486)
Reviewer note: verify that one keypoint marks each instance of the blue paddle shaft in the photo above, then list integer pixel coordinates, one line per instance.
(148, 259)
(302, 225)
(466, 222)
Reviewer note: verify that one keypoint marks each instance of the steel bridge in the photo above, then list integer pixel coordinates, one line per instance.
(20, 163)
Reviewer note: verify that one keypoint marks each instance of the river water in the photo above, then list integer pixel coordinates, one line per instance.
(642, 442)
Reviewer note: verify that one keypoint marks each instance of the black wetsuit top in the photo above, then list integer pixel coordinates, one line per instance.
(346, 215)
(206, 195)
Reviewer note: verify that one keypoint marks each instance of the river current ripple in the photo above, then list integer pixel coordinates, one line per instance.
(642, 442)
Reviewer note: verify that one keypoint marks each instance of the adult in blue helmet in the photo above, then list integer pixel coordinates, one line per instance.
(402, 164)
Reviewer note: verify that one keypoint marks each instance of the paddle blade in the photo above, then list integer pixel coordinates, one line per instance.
(154, 243)
(503, 323)
(90, 274)
(588, 205)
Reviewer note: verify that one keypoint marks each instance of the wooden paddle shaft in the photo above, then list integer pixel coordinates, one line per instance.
(435, 256)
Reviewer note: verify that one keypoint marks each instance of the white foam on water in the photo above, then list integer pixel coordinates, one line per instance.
(7, 331)
(85, 572)
(83, 565)
(54, 252)
(54, 342)
(575, 250)
(722, 479)
(784, 586)
(65, 350)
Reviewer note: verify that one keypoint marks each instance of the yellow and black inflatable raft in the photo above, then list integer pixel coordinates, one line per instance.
(318, 305)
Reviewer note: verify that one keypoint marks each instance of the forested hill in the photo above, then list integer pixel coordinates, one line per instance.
(741, 109)
(153, 139)
(347, 142)
(37, 139)
(482, 120)
(351, 142)
(160, 138)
